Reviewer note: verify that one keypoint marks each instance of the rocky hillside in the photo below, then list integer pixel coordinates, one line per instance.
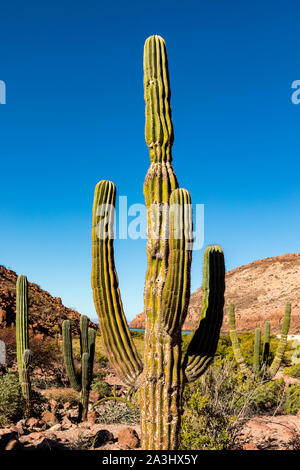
(46, 313)
(259, 291)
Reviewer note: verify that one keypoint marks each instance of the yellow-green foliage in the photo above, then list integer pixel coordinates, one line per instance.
(247, 345)
(292, 399)
(293, 371)
(215, 404)
(11, 399)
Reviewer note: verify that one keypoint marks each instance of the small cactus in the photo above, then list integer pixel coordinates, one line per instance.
(22, 338)
(80, 381)
(258, 368)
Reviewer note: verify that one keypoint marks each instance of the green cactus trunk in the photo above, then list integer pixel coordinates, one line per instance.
(80, 381)
(160, 380)
(266, 350)
(256, 352)
(22, 338)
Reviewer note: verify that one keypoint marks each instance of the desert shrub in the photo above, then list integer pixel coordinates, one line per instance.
(46, 354)
(137, 334)
(63, 395)
(101, 387)
(216, 405)
(12, 402)
(111, 412)
(101, 359)
(293, 371)
(292, 399)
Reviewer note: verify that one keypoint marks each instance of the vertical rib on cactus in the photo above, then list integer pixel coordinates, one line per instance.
(176, 292)
(236, 344)
(256, 351)
(112, 322)
(22, 339)
(283, 341)
(167, 284)
(80, 381)
(204, 342)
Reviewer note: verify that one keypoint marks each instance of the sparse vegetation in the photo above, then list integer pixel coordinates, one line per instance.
(12, 401)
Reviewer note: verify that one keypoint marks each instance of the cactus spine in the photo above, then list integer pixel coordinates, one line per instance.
(259, 368)
(22, 338)
(80, 381)
(161, 377)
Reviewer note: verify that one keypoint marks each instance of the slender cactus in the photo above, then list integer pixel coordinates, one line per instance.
(256, 352)
(266, 349)
(259, 368)
(283, 341)
(80, 381)
(22, 337)
(161, 377)
(236, 345)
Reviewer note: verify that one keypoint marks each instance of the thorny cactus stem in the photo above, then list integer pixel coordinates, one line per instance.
(256, 352)
(161, 379)
(80, 381)
(22, 337)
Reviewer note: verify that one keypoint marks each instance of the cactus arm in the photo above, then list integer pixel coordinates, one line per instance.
(256, 352)
(84, 347)
(112, 322)
(158, 128)
(68, 355)
(91, 346)
(85, 384)
(282, 343)
(176, 291)
(236, 348)
(266, 349)
(203, 345)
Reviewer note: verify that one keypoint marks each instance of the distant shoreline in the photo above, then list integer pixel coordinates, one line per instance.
(185, 332)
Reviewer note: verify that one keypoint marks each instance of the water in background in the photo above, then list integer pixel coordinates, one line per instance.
(143, 331)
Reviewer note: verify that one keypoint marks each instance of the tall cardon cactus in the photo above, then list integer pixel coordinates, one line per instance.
(260, 367)
(80, 380)
(161, 376)
(22, 337)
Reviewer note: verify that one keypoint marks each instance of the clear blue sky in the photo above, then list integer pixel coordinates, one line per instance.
(75, 115)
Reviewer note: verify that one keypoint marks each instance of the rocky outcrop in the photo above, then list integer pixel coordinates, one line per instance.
(46, 312)
(259, 291)
(270, 433)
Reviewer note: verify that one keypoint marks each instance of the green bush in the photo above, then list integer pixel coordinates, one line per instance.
(292, 399)
(137, 334)
(12, 402)
(101, 387)
(101, 359)
(217, 403)
(293, 371)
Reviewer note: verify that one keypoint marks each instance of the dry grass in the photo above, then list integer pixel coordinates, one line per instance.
(62, 395)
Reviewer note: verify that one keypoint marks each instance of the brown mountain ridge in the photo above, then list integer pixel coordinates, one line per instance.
(46, 313)
(259, 291)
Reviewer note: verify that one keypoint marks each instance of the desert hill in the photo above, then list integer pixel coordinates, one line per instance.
(259, 291)
(46, 313)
